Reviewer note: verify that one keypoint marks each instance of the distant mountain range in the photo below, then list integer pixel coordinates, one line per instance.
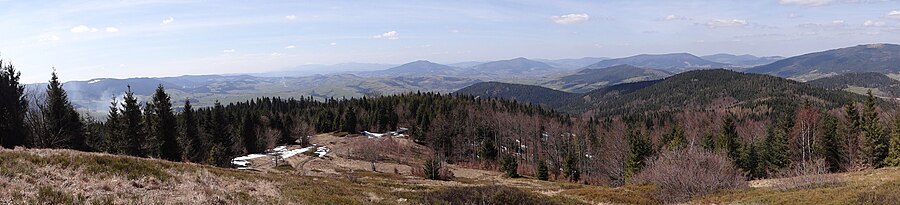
(591, 78)
(880, 84)
(674, 62)
(879, 58)
(741, 60)
(599, 78)
(701, 89)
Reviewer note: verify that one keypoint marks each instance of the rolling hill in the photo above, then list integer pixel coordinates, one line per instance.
(674, 62)
(518, 67)
(880, 84)
(879, 58)
(707, 89)
(415, 68)
(523, 93)
(741, 60)
(591, 78)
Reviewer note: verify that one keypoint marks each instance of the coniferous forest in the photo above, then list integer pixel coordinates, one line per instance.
(525, 139)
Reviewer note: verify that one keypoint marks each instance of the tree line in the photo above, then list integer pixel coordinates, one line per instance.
(520, 139)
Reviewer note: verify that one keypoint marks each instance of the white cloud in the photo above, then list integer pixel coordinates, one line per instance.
(794, 15)
(277, 54)
(893, 14)
(870, 23)
(82, 29)
(228, 51)
(673, 17)
(48, 37)
(291, 17)
(112, 29)
(717, 23)
(333, 44)
(830, 25)
(571, 18)
(390, 35)
(167, 21)
(805, 2)
(454, 31)
(289, 47)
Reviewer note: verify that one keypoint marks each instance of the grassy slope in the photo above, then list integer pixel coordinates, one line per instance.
(40, 176)
(865, 187)
(69, 177)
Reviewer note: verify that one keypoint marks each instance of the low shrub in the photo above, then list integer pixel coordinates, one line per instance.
(484, 195)
(807, 175)
(433, 169)
(681, 174)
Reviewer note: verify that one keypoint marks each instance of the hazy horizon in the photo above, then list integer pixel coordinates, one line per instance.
(157, 38)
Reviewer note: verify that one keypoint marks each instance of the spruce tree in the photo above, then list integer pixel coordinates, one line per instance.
(876, 142)
(674, 139)
(851, 129)
(220, 133)
(165, 125)
(190, 135)
(893, 158)
(728, 139)
(12, 108)
(114, 129)
(542, 171)
(65, 128)
(639, 149)
(831, 146)
(248, 133)
(133, 123)
(775, 148)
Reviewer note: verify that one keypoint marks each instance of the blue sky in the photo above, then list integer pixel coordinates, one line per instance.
(92, 39)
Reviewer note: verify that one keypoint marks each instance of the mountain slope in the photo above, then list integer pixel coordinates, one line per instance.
(523, 93)
(674, 62)
(517, 67)
(741, 60)
(879, 58)
(880, 84)
(572, 63)
(592, 78)
(712, 89)
(415, 68)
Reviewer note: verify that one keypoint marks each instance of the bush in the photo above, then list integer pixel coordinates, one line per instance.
(542, 171)
(510, 166)
(807, 175)
(484, 195)
(433, 169)
(681, 174)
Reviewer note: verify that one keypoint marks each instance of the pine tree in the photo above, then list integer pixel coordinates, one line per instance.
(190, 135)
(165, 126)
(728, 139)
(876, 142)
(488, 150)
(675, 139)
(639, 149)
(350, 121)
(221, 135)
(749, 161)
(133, 122)
(851, 129)
(12, 108)
(893, 158)
(542, 171)
(65, 128)
(248, 133)
(570, 166)
(831, 146)
(510, 166)
(114, 129)
(774, 152)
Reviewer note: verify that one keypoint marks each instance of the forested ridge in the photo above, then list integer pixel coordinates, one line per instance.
(770, 131)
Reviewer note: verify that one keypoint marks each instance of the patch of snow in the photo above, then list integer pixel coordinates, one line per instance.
(321, 151)
(93, 81)
(291, 153)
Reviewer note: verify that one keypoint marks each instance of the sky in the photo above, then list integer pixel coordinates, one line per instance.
(152, 38)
